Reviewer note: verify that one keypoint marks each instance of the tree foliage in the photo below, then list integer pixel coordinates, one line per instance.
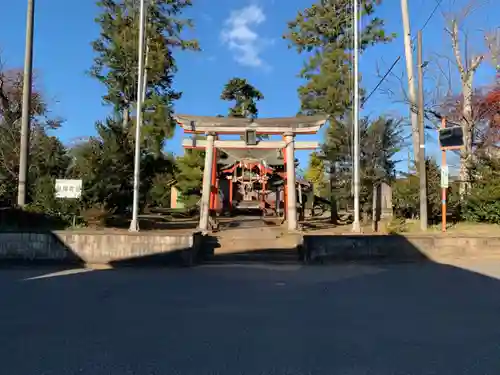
(406, 194)
(483, 202)
(116, 61)
(316, 173)
(105, 162)
(189, 176)
(48, 158)
(244, 96)
(324, 32)
(380, 141)
(106, 165)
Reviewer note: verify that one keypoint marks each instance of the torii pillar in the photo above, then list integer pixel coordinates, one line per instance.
(291, 185)
(207, 183)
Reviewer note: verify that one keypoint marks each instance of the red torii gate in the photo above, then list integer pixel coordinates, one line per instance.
(212, 127)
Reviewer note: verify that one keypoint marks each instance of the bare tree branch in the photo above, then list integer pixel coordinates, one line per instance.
(492, 40)
(453, 32)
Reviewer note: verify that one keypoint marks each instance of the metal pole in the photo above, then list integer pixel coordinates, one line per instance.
(134, 224)
(356, 227)
(145, 80)
(26, 110)
(443, 189)
(409, 70)
(421, 132)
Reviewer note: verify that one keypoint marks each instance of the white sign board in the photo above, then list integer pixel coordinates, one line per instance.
(444, 176)
(71, 189)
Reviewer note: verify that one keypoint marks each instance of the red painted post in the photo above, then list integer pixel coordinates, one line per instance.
(285, 189)
(231, 194)
(217, 202)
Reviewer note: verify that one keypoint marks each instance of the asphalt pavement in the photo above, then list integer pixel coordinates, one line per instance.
(252, 319)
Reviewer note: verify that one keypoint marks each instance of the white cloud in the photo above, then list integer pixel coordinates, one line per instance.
(242, 39)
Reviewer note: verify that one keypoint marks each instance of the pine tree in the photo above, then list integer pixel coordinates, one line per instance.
(244, 96)
(115, 64)
(106, 161)
(325, 32)
(189, 176)
(380, 141)
(48, 159)
(106, 164)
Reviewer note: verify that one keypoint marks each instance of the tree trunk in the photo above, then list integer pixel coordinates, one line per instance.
(126, 117)
(466, 71)
(465, 163)
(467, 126)
(334, 216)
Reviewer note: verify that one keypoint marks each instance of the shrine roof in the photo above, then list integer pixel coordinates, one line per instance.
(271, 125)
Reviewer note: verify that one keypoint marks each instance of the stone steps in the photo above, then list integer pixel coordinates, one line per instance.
(253, 247)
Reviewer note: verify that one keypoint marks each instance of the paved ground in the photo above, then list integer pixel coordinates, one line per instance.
(229, 319)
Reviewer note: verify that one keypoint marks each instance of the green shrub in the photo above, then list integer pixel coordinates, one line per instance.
(482, 204)
(406, 194)
(97, 215)
(397, 225)
(32, 218)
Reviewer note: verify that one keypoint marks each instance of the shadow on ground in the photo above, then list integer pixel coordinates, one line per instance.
(256, 312)
(419, 318)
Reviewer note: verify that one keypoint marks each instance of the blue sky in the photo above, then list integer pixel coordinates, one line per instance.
(239, 38)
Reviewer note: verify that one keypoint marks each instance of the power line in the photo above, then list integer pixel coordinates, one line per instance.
(431, 15)
(438, 4)
(381, 80)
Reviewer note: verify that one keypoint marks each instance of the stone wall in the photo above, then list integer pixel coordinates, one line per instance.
(125, 248)
(96, 248)
(398, 248)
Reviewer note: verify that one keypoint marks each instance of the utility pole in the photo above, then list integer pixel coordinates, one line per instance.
(356, 226)
(134, 224)
(411, 81)
(421, 133)
(26, 110)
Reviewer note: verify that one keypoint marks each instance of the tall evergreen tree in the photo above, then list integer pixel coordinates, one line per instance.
(116, 61)
(189, 176)
(106, 161)
(380, 141)
(48, 158)
(325, 32)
